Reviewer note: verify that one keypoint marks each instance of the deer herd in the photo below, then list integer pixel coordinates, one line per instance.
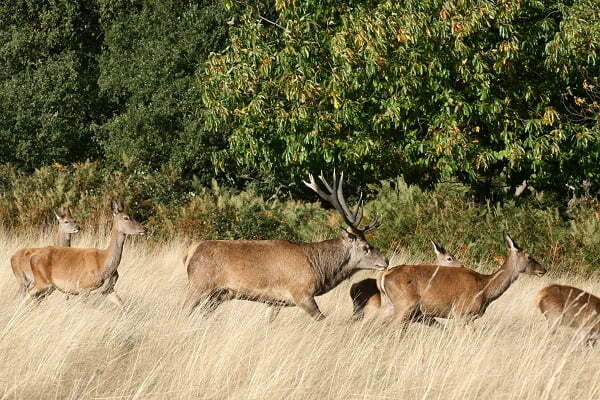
(281, 273)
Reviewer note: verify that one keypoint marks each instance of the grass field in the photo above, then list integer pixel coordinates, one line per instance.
(71, 349)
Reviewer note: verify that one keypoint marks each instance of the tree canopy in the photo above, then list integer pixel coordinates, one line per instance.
(483, 92)
(467, 90)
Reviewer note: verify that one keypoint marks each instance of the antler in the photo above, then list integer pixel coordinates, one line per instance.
(335, 197)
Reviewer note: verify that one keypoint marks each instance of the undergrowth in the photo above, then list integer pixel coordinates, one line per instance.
(565, 237)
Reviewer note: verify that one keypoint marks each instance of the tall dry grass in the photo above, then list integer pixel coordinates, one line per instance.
(70, 349)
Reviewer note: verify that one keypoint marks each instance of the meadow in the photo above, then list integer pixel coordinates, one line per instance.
(458, 121)
(152, 350)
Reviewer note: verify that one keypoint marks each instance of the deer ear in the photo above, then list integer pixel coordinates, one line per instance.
(510, 243)
(437, 248)
(56, 214)
(117, 206)
(67, 211)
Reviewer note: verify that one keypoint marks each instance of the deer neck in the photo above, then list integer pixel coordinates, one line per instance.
(497, 283)
(113, 253)
(330, 262)
(62, 239)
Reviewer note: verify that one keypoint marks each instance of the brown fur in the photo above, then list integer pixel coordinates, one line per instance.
(366, 299)
(569, 306)
(20, 260)
(190, 249)
(82, 271)
(276, 272)
(366, 294)
(429, 291)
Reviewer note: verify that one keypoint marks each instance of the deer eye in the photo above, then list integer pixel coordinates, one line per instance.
(367, 249)
(126, 218)
(449, 258)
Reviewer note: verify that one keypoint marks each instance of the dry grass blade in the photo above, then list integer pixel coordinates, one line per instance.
(72, 349)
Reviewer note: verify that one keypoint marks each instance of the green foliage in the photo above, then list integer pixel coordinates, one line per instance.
(49, 99)
(220, 213)
(473, 231)
(432, 90)
(151, 51)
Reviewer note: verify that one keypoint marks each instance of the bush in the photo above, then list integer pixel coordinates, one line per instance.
(564, 239)
(473, 231)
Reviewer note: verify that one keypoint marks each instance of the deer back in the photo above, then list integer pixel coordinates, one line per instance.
(244, 263)
(445, 287)
(570, 305)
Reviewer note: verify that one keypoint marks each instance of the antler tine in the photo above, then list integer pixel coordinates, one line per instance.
(329, 188)
(376, 223)
(313, 185)
(335, 197)
(358, 214)
(332, 197)
(342, 200)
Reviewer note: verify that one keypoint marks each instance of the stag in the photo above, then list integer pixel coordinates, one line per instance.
(282, 273)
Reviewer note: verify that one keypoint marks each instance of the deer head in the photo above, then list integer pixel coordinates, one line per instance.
(443, 257)
(66, 222)
(123, 222)
(521, 260)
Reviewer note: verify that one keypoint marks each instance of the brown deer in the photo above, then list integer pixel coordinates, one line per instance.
(20, 260)
(83, 271)
(366, 297)
(567, 305)
(279, 272)
(424, 292)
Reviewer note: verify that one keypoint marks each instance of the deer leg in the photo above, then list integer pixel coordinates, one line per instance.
(85, 296)
(366, 307)
(553, 320)
(22, 291)
(308, 304)
(273, 313)
(39, 290)
(358, 311)
(466, 320)
(591, 340)
(193, 300)
(406, 311)
(553, 324)
(359, 301)
(209, 302)
(39, 294)
(24, 284)
(40, 286)
(114, 298)
(191, 305)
